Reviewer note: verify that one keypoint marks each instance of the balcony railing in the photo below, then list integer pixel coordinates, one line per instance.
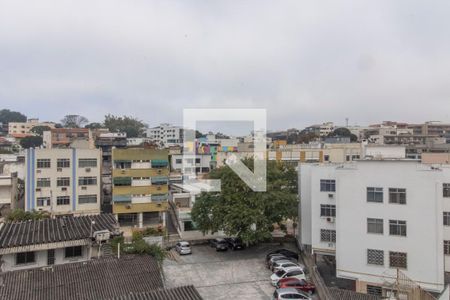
(160, 197)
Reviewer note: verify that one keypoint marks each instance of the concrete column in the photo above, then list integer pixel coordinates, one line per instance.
(141, 219)
(163, 218)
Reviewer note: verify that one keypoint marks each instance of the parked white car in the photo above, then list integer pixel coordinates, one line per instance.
(183, 248)
(283, 264)
(291, 272)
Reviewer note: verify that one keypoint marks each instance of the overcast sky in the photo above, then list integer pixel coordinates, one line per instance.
(304, 61)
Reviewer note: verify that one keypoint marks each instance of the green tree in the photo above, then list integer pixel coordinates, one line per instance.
(93, 125)
(343, 132)
(39, 130)
(302, 137)
(131, 126)
(74, 121)
(239, 211)
(198, 134)
(31, 142)
(21, 215)
(7, 116)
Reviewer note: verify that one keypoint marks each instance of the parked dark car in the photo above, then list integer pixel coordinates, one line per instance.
(235, 243)
(298, 284)
(285, 252)
(219, 244)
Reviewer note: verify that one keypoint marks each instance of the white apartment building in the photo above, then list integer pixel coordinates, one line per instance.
(377, 217)
(63, 181)
(200, 164)
(166, 135)
(19, 128)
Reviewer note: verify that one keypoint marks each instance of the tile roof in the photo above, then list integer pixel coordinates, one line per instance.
(339, 294)
(91, 280)
(179, 293)
(68, 228)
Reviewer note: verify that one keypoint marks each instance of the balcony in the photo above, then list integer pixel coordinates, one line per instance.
(141, 165)
(160, 180)
(159, 163)
(141, 190)
(122, 208)
(122, 199)
(159, 197)
(139, 172)
(141, 199)
(141, 182)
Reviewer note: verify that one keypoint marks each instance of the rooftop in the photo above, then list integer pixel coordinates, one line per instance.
(96, 279)
(67, 228)
(179, 293)
(339, 294)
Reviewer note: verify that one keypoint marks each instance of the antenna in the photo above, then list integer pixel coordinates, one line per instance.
(346, 122)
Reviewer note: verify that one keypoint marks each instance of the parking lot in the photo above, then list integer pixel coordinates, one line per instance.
(224, 275)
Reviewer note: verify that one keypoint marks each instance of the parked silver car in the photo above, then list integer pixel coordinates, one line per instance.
(183, 248)
(289, 293)
(281, 264)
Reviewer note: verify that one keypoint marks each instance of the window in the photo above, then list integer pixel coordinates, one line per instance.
(122, 164)
(327, 235)
(327, 210)
(178, 161)
(197, 160)
(326, 158)
(327, 185)
(397, 196)
(397, 260)
(374, 290)
(85, 199)
(447, 247)
(43, 163)
(63, 181)
(43, 201)
(62, 200)
(375, 194)
(25, 258)
(76, 251)
(43, 182)
(63, 163)
(375, 257)
(446, 190)
(87, 181)
(375, 226)
(446, 218)
(87, 163)
(397, 227)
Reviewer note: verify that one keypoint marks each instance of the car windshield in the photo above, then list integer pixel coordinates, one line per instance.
(280, 273)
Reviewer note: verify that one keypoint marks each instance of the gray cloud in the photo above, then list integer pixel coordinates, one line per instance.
(304, 61)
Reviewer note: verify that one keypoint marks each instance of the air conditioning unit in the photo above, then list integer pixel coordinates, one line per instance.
(128, 206)
(159, 171)
(38, 189)
(83, 188)
(87, 169)
(38, 171)
(330, 219)
(331, 245)
(122, 171)
(101, 235)
(331, 196)
(63, 189)
(59, 169)
(158, 188)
